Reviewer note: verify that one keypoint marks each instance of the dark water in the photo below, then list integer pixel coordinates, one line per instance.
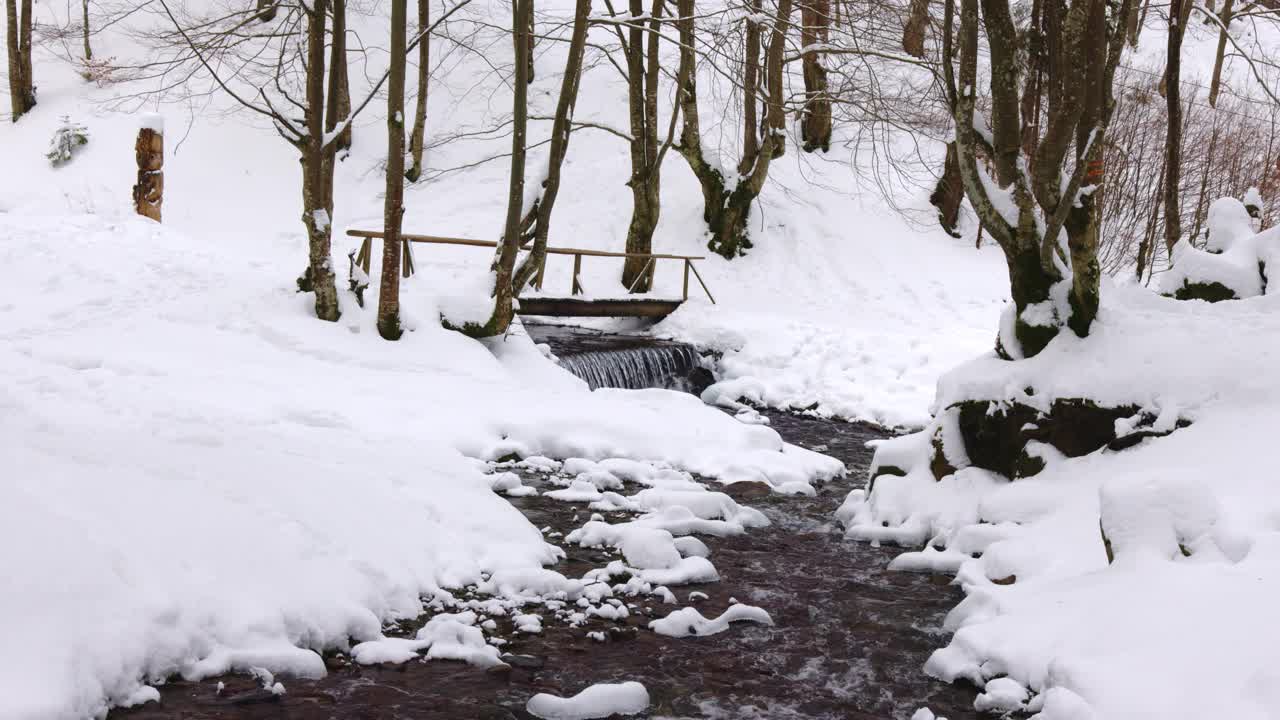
(849, 638)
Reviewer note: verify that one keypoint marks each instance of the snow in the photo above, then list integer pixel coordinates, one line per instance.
(598, 701)
(1169, 629)
(151, 121)
(688, 621)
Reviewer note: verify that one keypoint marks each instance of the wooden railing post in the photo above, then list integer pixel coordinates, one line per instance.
(686, 279)
(577, 268)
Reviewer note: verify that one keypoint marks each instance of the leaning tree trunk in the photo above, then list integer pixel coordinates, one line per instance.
(561, 127)
(418, 139)
(504, 259)
(317, 181)
(1173, 133)
(642, 101)
(393, 206)
(1216, 84)
(815, 124)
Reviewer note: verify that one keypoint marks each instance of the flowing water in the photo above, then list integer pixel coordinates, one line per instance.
(848, 642)
(624, 361)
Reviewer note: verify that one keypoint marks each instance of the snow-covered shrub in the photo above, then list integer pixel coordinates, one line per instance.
(1233, 264)
(1253, 205)
(67, 139)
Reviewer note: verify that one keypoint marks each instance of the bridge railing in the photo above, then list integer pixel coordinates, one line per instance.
(363, 258)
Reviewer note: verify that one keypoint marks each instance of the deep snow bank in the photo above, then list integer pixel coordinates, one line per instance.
(198, 476)
(1177, 626)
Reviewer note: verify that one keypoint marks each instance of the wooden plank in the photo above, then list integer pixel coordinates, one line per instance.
(439, 240)
(575, 307)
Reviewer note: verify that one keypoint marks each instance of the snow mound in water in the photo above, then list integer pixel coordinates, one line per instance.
(598, 701)
(687, 622)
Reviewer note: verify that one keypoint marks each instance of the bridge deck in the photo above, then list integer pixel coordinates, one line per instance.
(580, 307)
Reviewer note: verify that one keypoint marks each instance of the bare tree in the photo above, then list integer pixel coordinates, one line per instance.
(815, 124)
(418, 138)
(1173, 136)
(1053, 284)
(727, 201)
(504, 259)
(393, 207)
(539, 216)
(22, 91)
(643, 66)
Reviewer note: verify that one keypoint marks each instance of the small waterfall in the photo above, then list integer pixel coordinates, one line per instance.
(631, 362)
(663, 366)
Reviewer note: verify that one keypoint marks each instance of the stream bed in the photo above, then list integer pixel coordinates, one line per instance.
(849, 638)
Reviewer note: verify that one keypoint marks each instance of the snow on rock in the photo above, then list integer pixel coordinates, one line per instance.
(1169, 628)
(1235, 256)
(451, 636)
(598, 701)
(687, 622)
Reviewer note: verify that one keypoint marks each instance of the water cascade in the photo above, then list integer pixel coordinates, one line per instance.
(624, 361)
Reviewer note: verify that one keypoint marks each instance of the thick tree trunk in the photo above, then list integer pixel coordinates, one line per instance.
(317, 180)
(22, 94)
(815, 124)
(1173, 136)
(419, 137)
(393, 206)
(642, 101)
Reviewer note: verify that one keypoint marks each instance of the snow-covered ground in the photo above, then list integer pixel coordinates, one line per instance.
(198, 476)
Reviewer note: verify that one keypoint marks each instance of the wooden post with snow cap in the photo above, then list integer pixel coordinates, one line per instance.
(148, 193)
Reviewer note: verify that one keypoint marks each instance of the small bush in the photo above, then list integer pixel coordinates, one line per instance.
(67, 139)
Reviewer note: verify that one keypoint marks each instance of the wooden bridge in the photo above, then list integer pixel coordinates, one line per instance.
(635, 306)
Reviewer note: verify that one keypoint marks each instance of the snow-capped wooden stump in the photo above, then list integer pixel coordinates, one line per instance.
(148, 192)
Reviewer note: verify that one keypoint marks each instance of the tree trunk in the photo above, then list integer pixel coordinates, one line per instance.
(1173, 136)
(815, 125)
(22, 95)
(419, 136)
(948, 193)
(393, 207)
(561, 128)
(751, 90)
(642, 101)
(84, 29)
(339, 99)
(504, 259)
(914, 31)
(1216, 84)
(726, 211)
(317, 183)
